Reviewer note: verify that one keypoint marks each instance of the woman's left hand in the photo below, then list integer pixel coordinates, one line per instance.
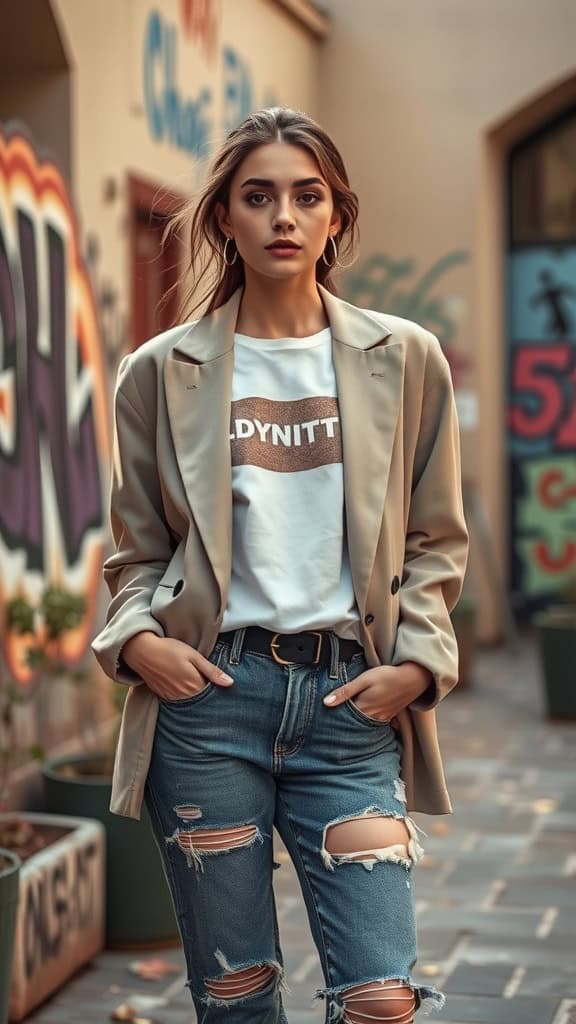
(383, 691)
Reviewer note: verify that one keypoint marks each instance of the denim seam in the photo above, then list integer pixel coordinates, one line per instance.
(310, 694)
(324, 952)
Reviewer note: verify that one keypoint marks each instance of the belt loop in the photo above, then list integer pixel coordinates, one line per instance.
(237, 645)
(334, 654)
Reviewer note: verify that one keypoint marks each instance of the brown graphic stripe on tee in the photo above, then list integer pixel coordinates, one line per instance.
(286, 437)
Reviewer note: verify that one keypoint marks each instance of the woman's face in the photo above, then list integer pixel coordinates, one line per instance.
(280, 212)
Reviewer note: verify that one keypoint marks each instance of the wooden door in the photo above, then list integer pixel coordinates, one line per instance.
(155, 267)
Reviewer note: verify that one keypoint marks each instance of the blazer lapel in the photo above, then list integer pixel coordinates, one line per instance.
(369, 368)
(198, 389)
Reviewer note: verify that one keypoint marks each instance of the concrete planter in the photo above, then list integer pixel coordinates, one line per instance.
(9, 875)
(139, 910)
(60, 915)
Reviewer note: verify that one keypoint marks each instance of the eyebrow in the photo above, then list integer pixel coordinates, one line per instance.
(266, 183)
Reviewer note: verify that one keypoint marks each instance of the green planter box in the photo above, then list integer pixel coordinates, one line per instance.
(9, 882)
(556, 631)
(139, 910)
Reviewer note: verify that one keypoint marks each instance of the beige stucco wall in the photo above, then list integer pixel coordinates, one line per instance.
(111, 133)
(417, 94)
(95, 125)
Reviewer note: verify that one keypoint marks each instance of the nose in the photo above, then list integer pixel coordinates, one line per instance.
(283, 215)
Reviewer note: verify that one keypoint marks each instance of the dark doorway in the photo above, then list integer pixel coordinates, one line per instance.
(155, 268)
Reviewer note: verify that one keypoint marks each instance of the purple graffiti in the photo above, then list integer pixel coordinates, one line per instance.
(44, 434)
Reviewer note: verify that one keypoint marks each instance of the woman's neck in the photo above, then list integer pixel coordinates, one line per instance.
(280, 309)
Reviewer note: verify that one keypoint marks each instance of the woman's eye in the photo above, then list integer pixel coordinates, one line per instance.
(309, 198)
(256, 198)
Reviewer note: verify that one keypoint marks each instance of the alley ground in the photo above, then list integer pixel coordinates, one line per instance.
(496, 890)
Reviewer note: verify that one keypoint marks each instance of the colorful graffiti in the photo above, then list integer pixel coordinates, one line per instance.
(53, 407)
(382, 282)
(542, 421)
(200, 24)
(179, 116)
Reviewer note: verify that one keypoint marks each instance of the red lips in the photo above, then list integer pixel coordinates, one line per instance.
(283, 243)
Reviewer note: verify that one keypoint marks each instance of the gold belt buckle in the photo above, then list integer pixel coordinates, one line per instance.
(281, 661)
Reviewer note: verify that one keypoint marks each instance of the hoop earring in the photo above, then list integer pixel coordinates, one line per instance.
(229, 263)
(334, 251)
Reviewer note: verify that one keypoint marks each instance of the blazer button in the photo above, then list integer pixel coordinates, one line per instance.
(178, 586)
(395, 585)
(369, 619)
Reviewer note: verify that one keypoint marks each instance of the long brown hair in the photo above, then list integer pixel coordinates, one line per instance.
(197, 223)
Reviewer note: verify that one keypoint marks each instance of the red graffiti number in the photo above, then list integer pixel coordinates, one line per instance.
(543, 379)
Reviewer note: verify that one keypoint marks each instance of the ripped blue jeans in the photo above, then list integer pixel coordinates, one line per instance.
(267, 752)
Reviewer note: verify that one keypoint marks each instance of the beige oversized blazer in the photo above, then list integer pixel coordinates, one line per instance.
(171, 514)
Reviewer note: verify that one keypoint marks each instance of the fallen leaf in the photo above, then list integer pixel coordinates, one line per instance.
(126, 1012)
(430, 970)
(544, 806)
(123, 1012)
(152, 969)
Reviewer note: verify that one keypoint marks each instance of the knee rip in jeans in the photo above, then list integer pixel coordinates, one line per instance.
(370, 837)
(391, 1001)
(198, 843)
(235, 985)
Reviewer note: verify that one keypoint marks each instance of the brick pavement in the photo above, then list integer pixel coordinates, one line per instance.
(496, 893)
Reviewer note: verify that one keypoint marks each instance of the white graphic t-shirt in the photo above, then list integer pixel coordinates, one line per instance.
(290, 566)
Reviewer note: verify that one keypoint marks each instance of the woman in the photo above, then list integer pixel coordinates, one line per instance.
(289, 539)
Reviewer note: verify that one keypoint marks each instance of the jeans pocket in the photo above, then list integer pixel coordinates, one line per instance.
(215, 657)
(351, 670)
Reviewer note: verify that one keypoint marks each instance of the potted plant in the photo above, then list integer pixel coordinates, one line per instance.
(556, 634)
(59, 914)
(82, 784)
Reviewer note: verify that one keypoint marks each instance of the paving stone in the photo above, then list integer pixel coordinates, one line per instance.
(552, 981)
(536, 871)
(552, 893)
(484, 922)
(568, 801)
(565, 924)
(550, 952)
(479, 980)
(472, 871)
(487, 1010)
(561, 821)
(467, 897)
(436, 943)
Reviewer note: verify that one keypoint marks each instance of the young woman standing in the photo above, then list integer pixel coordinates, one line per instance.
(289, 536)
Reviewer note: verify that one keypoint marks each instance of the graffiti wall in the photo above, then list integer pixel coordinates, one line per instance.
(195, 85)
(398, 286)
(53, 407)
(542, 420)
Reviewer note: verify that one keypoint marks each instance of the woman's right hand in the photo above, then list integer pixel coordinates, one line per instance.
(171, 668)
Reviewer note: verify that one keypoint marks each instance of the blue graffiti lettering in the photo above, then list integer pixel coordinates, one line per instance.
(238, 92)
(184, 122)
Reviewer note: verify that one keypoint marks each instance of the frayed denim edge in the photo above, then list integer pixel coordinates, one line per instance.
(425, 994)
(278, 981)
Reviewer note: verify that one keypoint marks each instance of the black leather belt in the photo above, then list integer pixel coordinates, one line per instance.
(307, 648)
